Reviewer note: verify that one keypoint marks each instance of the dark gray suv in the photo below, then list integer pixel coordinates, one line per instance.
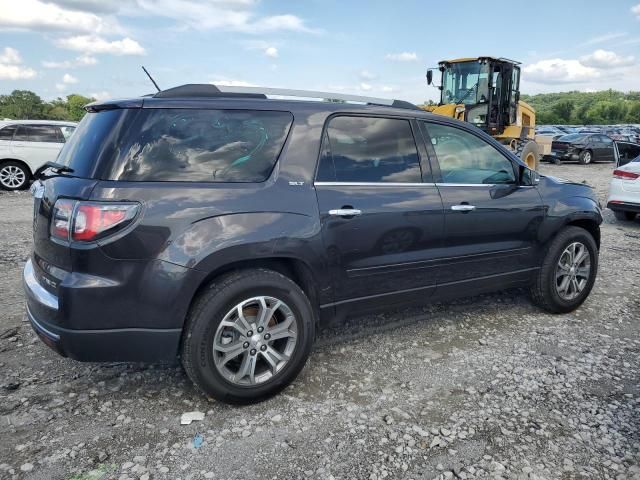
(220, 226)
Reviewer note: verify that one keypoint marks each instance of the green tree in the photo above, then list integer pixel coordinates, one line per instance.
(21, 105)
(75, 106)
(563, 110)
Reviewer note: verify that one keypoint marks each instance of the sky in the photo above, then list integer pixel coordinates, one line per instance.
(375, 48)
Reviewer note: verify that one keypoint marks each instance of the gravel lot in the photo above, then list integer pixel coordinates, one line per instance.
(486, 387)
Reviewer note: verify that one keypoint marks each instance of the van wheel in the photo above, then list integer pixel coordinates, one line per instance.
(568, 271)
(586, 157)
(13, 175)
(247, 336)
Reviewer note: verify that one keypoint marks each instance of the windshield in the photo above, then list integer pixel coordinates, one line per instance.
(465, 82)
(573, 137)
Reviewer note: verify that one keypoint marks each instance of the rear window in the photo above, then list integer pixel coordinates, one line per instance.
(201, 145)
(178, 144)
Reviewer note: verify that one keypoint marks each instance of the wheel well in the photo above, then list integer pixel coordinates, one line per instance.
(590, 226)
(4, 160)
(292, 268)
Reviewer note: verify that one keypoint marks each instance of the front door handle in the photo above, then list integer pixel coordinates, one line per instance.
(463, 208)
(345, 212)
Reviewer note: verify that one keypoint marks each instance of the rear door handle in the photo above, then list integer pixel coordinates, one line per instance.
(345, 212)
(463, 208)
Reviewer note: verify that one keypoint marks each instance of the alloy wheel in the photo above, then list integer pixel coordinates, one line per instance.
(587, 157)
(573, 271)
(12, 176)
(255, 341)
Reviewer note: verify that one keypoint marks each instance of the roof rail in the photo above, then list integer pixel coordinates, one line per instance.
(208, 90)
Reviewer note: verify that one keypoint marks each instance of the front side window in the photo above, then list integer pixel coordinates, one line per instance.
(465, 82)
(467, 159)
(39, 134)
(199, 145)
(368, 149)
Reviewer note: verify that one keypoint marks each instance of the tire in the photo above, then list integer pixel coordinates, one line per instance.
(545, 290)
(586, 157)
(623, 216)
(14, 175)
(529, 153)
(222, 298)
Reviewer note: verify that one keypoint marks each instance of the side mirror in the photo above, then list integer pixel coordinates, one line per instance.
(429, 77)
(529, 177)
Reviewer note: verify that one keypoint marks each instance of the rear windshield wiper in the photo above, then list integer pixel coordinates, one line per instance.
(56, 167)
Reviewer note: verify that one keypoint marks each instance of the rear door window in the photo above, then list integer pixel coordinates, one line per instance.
(39, 134)
(7, 132)
(200, 145)
(369, 150)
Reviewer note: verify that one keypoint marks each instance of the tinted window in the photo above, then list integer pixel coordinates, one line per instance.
(466, 158)
(39, 133)
(605, 139)
(201, 145)
(365, 149)
(7, 132)
(91, 140)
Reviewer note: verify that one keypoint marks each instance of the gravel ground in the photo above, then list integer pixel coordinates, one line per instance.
(485, 387)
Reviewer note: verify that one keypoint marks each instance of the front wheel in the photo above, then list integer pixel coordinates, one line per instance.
(248, 336)
(568, 271)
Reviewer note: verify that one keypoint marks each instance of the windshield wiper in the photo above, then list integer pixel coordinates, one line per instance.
(469, 92)
(56, 167)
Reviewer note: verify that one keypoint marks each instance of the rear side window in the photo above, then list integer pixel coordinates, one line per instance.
(200, 145)
(7, 132)
(368, 149)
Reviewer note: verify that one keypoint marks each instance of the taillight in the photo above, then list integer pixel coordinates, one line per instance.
(88, 221)
(61, 219)
(624, 175)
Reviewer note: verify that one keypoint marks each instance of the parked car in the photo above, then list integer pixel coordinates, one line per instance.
(26, 145)
(585, 148)
(220, 226)
(624, 189)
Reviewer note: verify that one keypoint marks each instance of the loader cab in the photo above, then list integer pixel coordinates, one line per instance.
(486, 91)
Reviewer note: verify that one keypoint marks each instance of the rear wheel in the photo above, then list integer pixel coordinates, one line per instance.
(568, 271)
(624, 216)
(13, 175)
(248, 336)
(586, 157)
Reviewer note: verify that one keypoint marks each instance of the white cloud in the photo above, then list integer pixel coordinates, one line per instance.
(606, 59)
(365, 86)
(15, 72)
(367, 75)
(636, 11)
(93, 44)
(38, 16)
(557, 70)
(271, 52)
(387, 89)
(402, 57)
(69, 79)
(11, 67)
(81, 61)
(10, 56)
(235, 15)
(103, 95)
(605, 38)
(61, 87)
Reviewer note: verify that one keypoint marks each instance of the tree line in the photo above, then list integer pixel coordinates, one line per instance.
(26, 105)
(607, 107)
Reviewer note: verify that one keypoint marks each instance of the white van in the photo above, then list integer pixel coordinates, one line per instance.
(26, 145)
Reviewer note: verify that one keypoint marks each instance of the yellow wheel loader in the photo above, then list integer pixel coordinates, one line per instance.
(485, 91)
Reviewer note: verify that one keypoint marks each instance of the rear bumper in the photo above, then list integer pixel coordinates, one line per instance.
(624, 206)
(104, 345)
